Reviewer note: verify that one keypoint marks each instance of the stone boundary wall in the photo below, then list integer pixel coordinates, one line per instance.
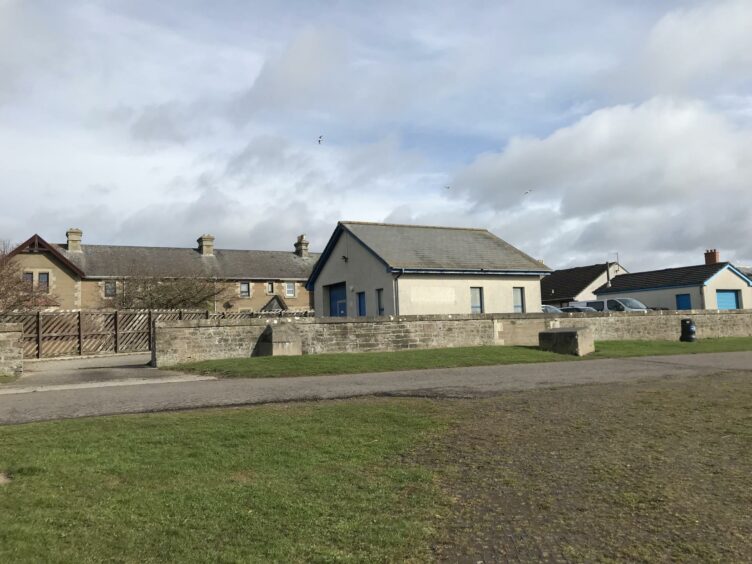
(11, 349)
(187, 341)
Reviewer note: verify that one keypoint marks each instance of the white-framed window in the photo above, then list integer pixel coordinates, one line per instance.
(289, 289)
(270, 287)
(476, 300)
(110, 288)
(519, 300)
(245, 289)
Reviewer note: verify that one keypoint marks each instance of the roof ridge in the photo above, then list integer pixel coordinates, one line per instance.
(718, 264)
(414, 225)
(63, 246)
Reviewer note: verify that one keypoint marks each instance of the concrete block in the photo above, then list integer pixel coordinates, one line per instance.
(279, 340)
(578, 342)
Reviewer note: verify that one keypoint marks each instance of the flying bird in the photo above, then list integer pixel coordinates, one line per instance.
(527, 192)
(321, 138)
(447, 187)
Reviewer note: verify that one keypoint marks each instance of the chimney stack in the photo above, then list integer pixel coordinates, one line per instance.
(74, 235)
(712, 256)
(301, 246)
(206, 245)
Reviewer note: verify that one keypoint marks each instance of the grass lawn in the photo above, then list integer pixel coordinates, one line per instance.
(635, 471)
(296, 483)
(315, 365)
(655, 471)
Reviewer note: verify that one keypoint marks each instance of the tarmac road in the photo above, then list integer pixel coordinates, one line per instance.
(143, 391)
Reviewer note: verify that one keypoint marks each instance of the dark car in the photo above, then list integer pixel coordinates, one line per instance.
(578, 309)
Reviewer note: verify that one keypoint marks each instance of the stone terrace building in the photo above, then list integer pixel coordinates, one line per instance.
(89, 276)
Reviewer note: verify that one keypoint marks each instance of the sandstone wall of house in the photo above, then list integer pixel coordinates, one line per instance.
(186, 341)
(11, 349)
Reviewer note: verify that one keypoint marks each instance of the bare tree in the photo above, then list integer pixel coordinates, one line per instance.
(144, 292)
(15, 291)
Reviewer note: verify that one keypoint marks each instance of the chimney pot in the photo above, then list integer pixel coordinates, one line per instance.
(74, 236)
(206, 245)
(712, 256)
(301, 246)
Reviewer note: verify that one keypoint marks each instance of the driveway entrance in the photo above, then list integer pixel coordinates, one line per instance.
(85, 370)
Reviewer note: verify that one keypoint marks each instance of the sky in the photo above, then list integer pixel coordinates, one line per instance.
(573, 129)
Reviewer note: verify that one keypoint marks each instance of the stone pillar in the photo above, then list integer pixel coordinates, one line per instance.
(11, 349)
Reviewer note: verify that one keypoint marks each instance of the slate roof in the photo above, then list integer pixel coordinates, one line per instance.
(417, 247)
(566, 284)
(102, 261)
(666, 278)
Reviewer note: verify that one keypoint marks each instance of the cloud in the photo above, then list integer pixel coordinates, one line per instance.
(665, 175)
(158, 123)
(147, 124)
(704, 43)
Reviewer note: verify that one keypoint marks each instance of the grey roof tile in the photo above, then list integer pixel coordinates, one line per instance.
(668, 277)
(441, 248)
(99, 261)
(565, 284)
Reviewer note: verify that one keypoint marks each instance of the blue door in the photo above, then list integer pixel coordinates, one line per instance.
(337, 300)
(727, 299)
(683, 301)
(362, 304)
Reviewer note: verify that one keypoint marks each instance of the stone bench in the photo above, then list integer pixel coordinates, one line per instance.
(280, 339)
(578, 342)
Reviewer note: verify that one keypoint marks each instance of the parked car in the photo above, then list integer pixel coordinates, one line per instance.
(550, 309)
(578, 309)
(613, 304)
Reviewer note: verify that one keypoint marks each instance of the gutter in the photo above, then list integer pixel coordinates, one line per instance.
(475, 272)
(395, 289)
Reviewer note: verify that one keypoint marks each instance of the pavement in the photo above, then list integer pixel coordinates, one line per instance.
(128, 386)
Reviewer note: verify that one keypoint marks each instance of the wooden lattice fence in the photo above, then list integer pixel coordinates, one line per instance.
(75, 333)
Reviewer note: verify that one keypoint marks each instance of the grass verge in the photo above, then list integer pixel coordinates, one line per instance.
(348, 363)
(277, 483)
(8, 378)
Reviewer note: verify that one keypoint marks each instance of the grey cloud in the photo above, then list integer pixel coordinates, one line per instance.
(159, 123)
(628, 156)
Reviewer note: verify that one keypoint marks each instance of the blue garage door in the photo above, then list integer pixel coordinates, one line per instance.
(337, 300)
(727, 299)
(683, 301)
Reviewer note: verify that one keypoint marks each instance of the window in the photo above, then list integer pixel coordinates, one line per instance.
(289, 289)
(519, 300)
(270, 287)
(613, 305)
(43, 282)
(110, 288)
(245, 289)
(380, 300)
(476, 300)
(597, 306)
(361, 304)
(28, 278)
